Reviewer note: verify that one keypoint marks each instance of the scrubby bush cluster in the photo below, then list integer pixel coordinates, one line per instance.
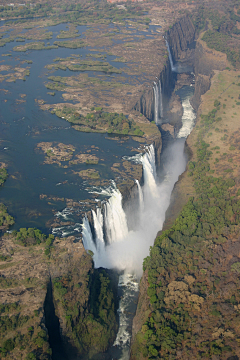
(32, 236)
(223, 27)
(3, 175)
(35, 341)
(5, 219)
(112, 123)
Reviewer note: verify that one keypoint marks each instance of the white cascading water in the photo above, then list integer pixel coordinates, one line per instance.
(170, 56)
(115, 218)
(125, 249)
(140, 197)
(156, 103)
(187, 119)
(98, 227)
(117, 253)
(160, 99)
(149, 170)
(128, 285)
(88, 242)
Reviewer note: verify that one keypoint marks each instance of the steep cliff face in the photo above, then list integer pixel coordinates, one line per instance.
(206, 61)
(84, 300)
(146, 103)
(179, 37)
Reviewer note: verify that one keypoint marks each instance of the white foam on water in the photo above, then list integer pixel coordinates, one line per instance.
(188, 119)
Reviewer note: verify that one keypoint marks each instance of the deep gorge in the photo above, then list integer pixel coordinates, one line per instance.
(144, 266)
(94, 235)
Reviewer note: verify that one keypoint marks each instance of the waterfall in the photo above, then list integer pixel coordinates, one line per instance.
(125, 249)
(156, 100)
(140, 196)
(88, 242)
(117, 247)
(149, 170)
(170, 56)
(115, 218)
(160, 99)
(98, 226)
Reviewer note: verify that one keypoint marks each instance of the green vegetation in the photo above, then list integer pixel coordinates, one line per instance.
(9, 308)
(90, 173)
(223, 28)
(82, 65)
(76, 13)
(34, 46)
(8, 282)
(120, 59)
(71, 44)
(189, 251)
(100, 121)
(31, 236)
(92, 329)
(3, 175)
(219, 42)
(71, 33)
(4, 41)
(5, 219)
(35, 340)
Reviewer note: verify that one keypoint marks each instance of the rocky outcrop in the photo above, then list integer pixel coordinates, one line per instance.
(175, 112)
(146, 103)
(180, 37)
(206, 61)
(201, 86)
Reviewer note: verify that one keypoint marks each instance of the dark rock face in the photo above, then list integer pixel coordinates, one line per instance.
(179, 37)
(206, 60)
(145, 104)
(202, 85)
(175, 112)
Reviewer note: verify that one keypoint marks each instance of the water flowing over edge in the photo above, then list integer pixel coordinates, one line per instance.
(158, 102)
(113, 245)
(170, 56)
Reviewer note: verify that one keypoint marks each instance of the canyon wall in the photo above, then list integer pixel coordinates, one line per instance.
(207, 63)
(180, 36)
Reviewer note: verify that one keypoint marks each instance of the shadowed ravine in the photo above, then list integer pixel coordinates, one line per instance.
(52, 324)
(120, 245)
